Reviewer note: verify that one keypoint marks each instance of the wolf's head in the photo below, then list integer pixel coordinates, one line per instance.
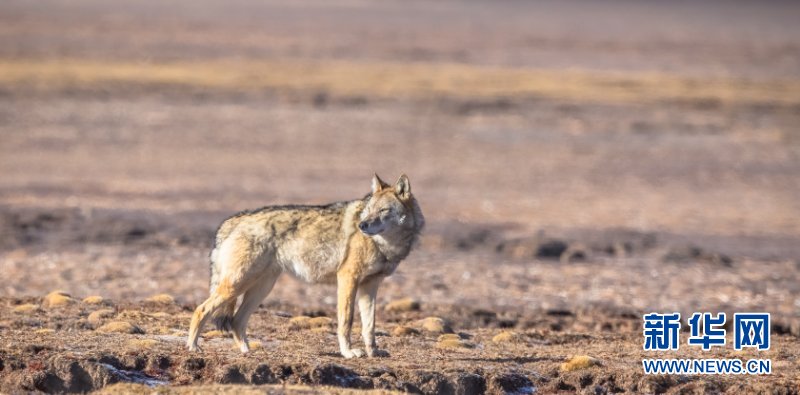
(390, 209)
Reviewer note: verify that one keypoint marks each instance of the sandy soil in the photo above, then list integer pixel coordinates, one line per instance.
(578, 165)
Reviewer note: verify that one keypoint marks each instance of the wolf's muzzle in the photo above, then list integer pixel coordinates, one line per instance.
(370, 228)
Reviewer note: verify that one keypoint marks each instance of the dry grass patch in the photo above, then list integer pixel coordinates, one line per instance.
(454, 343)
(56, 299)
(95, 299)
(579, 362)
(401, 331)
(436, 325)
(161, 299)
(320, 322)
(321, 329)
(254, 345)
(143, 344)
(406, 304)
(120, 327)
(448, 336)
(398, 80)
(506, 337)
(26, 308)
(300, 322)
(98, 315)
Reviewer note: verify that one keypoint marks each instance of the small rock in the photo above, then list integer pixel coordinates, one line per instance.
(506, 337)
(300, 322)
(401, 331)
(436, 325)
(161, 299)
(45, 331)
(26, 308)
(579, 362)
(56, 299)
(120, 327)
(93, 299)
(406, 304)
(98, 315)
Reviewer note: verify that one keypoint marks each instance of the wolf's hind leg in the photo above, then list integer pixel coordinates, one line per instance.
(224, 294)
(252, 298)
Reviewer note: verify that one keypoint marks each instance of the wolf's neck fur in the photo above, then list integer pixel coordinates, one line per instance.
(396, 245)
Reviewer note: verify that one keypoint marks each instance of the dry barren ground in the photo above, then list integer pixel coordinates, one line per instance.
(59, 344)
(578, 163)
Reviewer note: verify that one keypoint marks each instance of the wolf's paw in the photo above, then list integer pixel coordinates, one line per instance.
(193, 347)
(353, 353)
(377, 353)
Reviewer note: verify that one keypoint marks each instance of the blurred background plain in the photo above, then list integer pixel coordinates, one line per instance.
(654, 145)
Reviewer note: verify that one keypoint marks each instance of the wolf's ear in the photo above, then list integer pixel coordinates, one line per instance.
(377, 184)
(403, 187)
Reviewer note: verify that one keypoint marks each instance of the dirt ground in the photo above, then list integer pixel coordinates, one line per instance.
(579, 164)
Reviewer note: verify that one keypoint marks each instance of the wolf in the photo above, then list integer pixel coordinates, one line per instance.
(353, 244)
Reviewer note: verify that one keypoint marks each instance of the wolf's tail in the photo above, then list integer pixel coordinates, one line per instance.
(223, 316)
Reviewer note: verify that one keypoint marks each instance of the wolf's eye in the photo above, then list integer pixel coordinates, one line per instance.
(384, 211)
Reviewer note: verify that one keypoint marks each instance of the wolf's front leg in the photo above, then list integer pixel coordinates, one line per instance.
(367, 292)
(346, 290)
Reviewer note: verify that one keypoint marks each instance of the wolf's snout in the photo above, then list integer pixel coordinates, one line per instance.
(363, 225)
